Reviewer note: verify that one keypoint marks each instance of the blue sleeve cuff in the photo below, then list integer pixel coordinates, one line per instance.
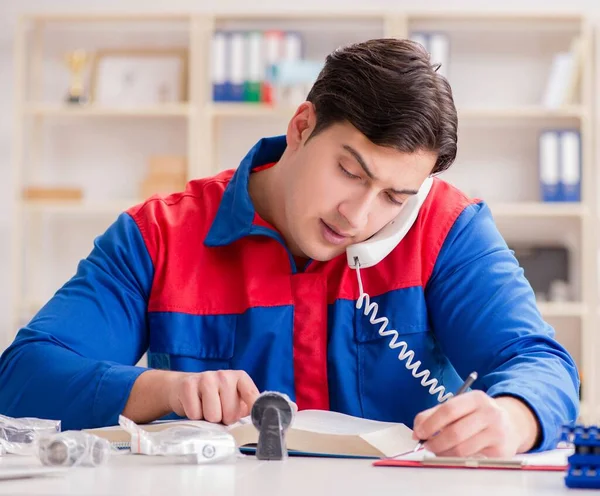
(113, 392)
(549, 421)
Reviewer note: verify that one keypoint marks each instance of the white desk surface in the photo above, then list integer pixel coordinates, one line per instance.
(131, 475)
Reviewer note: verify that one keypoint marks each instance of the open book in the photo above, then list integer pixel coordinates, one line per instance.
(313, 432)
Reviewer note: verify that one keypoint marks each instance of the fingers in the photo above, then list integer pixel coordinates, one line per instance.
(188, 399)
(238, 393)
(247, 390)
(432, 421)
(421, 419)
(209, 391)
(459, 436)
(467, 425)
(230, 400)
(216, 396)
(474, 445)
(244, 410)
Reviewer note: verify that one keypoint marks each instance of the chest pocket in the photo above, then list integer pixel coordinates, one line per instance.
(191, 343)
(388, 361)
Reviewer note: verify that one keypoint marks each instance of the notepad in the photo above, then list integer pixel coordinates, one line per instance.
(312, 433)
(552, 460)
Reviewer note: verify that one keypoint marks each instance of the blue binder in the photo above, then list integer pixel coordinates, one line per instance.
(237, 65)
(219, 72)
(549, 166)
(570, 165)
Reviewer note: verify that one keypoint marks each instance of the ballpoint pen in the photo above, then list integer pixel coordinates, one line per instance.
(466, 385)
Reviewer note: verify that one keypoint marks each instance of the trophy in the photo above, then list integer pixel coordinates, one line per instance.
(76, 61)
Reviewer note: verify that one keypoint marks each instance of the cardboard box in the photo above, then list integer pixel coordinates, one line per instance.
(153, 186)
(52, 193)
(167, 166)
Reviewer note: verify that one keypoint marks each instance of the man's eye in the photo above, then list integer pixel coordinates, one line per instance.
(348, 173)
(394, 201)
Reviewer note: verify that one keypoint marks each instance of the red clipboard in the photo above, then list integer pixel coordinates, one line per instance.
(474, 463)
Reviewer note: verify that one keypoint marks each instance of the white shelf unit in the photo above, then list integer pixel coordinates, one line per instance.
(54, 110)
(498, 64)
(498, 68)
(219, 110)
(533, 210)
(42, 118)
(76, 207)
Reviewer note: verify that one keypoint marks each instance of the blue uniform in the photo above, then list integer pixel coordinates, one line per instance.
(199, 281)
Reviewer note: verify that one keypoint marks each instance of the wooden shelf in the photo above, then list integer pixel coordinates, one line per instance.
(107, 17)
(562, 309)
(265, 110)
(496, 16)
(233, 109)
(249, 110)
(58, 110)
(538, 210)
(525, 112)
(78, 207)
(333, 15)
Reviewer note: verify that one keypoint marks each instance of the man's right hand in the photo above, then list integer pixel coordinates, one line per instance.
(222, 396)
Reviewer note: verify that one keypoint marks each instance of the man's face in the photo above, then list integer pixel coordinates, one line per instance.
(341, 189)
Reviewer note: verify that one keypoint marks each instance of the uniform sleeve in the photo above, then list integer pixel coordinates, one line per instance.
(75, 360)
(484, 315)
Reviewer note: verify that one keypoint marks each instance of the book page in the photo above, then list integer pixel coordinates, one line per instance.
(391, 440)
(326, 422)
(318, 421)
(240, 422)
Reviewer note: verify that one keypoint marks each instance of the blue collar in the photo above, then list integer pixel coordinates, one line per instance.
(235, 215)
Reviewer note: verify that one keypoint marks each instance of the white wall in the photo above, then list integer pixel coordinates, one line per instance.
(11, 9)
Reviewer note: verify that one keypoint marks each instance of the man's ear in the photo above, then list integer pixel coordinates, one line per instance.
(301, 125)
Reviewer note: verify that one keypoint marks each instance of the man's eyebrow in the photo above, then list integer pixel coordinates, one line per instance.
(404, 191)
(368, 172)
(360, 160)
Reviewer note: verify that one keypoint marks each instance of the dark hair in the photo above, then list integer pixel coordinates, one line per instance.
(388, 90)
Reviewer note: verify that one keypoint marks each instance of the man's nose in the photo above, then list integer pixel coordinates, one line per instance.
(356, 212)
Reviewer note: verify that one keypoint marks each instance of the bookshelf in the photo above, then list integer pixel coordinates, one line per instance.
(539, 210)
(54, 110)
(77, 208)
(498, 63)
(474, 113)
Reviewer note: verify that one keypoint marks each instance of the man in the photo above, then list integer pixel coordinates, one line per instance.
(240, 284)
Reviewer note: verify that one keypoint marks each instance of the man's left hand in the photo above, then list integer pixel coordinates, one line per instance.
(473, 423)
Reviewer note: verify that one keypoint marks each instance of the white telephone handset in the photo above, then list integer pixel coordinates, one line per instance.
(375, 249)
(371, 252)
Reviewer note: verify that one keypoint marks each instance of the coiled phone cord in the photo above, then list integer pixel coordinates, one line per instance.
(370, 310)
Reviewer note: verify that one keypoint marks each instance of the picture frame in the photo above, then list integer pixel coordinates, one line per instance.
(137, 77)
